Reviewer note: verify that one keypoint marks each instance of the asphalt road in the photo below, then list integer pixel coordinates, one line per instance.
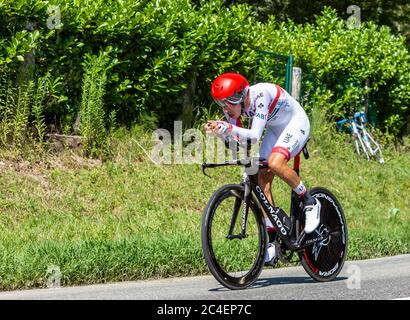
(383, 278)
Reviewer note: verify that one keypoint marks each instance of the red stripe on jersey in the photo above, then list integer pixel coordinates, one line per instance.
(275, 101)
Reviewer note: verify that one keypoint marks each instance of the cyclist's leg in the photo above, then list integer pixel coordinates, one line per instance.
(290, 142)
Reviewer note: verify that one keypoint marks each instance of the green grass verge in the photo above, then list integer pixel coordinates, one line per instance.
(129, 220)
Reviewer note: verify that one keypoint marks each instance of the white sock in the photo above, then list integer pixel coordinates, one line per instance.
(300, 189)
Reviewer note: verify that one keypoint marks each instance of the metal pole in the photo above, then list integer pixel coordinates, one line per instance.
(289, 67)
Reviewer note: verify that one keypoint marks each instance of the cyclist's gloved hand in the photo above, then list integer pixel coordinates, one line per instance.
(223, 127)
(218, 127)
(208, 127)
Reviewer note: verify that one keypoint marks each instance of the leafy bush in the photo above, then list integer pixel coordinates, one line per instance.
(22, 112)
(163, 47)
(338, 59)
(93, 114)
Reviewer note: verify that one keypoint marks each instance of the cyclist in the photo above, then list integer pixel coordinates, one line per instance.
(287, 131)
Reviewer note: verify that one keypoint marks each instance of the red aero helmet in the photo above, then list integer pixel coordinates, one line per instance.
(229, 87)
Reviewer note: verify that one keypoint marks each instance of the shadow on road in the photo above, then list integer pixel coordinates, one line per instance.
(265, 282)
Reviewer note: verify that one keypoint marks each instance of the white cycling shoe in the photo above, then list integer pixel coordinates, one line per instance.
(270, 255)
(312, 213)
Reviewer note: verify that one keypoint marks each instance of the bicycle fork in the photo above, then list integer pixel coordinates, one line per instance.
(245, 210)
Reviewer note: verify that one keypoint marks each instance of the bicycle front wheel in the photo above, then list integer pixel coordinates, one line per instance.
(234, 261)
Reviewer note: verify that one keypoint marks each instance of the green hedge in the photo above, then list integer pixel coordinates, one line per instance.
(158, 48)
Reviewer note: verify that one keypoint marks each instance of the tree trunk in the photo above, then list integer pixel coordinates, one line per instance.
(187, 105)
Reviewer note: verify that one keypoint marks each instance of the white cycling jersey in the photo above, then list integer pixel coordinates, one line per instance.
(287, 125)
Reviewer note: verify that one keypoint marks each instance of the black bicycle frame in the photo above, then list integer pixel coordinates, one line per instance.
(287, 227)
(291, 236)
(279, 218)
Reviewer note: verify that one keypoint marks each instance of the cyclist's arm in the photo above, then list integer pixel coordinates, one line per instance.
(258, 123)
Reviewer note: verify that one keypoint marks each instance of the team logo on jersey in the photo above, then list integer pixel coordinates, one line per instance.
(287, 138)
(282, 104)
(303, 131)
(260, 105)
(260, 95)
(261, 116)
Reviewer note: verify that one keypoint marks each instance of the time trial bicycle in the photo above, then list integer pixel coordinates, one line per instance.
(234, 235)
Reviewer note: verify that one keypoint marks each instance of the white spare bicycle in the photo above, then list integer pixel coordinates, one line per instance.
(364, 143)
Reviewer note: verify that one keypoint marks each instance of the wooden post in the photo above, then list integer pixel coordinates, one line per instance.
(296, 83)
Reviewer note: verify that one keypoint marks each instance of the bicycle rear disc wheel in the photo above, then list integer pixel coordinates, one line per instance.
(325, 259)
(235, 263)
